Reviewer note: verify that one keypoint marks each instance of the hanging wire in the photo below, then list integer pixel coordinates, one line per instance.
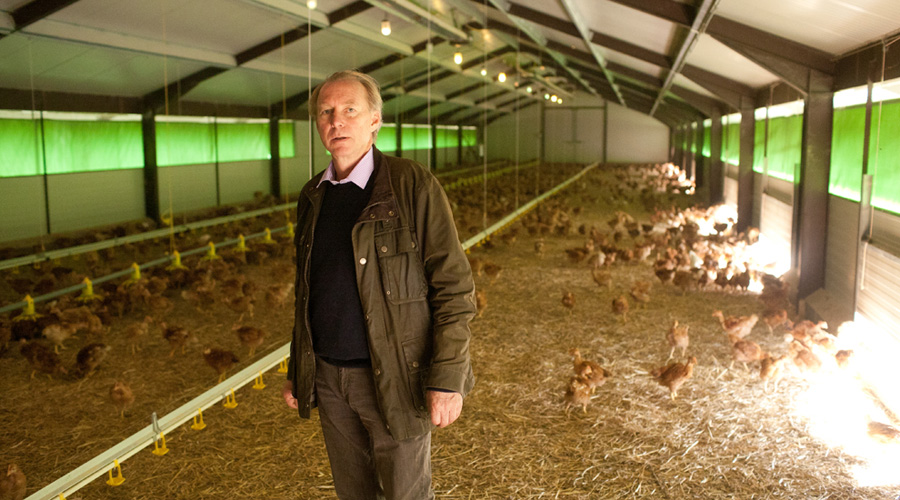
(171, 219)
(309, 132)
(518, 74)
(484, 124)
(429, 48)
(40, 153)
(284, 183)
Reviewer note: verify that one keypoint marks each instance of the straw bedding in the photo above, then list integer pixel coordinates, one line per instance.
(723, 437)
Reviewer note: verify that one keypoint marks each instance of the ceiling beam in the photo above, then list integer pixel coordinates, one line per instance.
(274, 43)
(36, 10)
(577, 19)
(698, 27)
(464, 90)
(723, 29)
(488, 97)
(348, 11)
(414, 14)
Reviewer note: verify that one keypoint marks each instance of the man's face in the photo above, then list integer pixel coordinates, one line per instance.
(345, 122)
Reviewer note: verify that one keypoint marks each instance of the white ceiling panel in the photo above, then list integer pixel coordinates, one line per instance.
(244, 86)
(682, 81)
(624, 23)
(632, 62)
(835, 26)
(330, 52)
(11, 5)
(551, 8)
(58, 66)
(713, 56)
(229, 26)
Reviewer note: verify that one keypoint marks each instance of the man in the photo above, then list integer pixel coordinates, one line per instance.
(384, 296)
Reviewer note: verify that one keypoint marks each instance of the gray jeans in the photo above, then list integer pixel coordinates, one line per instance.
(366, 461)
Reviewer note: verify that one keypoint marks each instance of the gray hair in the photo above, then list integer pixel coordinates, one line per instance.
(373, 93)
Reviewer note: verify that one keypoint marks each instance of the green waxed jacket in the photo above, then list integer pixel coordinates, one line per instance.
(416, 289)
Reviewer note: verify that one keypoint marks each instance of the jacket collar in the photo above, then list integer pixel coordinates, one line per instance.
(382, 204)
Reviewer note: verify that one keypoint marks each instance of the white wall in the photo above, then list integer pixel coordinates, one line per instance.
(22, 213)
(501, 136)
(635, 137)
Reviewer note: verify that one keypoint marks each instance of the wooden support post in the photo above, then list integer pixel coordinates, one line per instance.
(716, 168)
(274, 156)
(745, 166)
(151, 169)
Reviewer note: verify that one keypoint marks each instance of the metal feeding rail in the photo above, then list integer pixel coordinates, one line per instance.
(154, 433)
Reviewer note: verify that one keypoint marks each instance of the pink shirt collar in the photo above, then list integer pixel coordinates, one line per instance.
(359, 175)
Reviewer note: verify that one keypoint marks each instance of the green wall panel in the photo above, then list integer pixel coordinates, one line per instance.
(20, 148)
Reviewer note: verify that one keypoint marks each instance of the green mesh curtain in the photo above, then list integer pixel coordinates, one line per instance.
(387, 139)
(884, 162)
(693, 138)
(707, 139)
(20, 148)
(731, 143)
(286, 147)
(184, 143)
(785, 145)
(446, 138)
(242, 141)
(470, 137)
(847, 137)
(759, 145)
(76, 146)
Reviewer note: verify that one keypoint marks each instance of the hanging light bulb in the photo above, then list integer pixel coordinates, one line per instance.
(559, 101)
(546, 96)
(528, 89)
(457, 57)
(311, 4)
(385, 27)
(483, 71)
(501, 77)
(553, 98)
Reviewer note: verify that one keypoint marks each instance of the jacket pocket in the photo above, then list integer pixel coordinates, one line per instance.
(416, 353)
(402, 271)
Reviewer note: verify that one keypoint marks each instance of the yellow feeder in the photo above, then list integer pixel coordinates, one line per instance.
(242, 245)
(290, 231)
(198, 424)
(267, 239)
(117, 479)
(176, 262)
(62, 497)
(28, 313)
(283, 366)
(160, 449)
(259, 385)
(135, 274)
(211, 253)
(230, 401)
(88, 294)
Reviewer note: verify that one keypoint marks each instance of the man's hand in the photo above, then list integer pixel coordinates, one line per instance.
(445, 407)
(287, 391)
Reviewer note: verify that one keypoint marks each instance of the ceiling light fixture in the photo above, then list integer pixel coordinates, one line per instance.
(483, 71)
(553, 98)
(311, 4)
(385, 27)
(546, 96)
(457, 57)
(559, 101)
(528, 89)
(501, 77)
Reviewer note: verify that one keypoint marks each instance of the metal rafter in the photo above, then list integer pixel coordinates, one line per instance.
(698, 27)
(585, 32)
(36, 10)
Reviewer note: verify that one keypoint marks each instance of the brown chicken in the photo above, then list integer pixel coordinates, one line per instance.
(220, 360)
(539, 248)
(476, 264)
(773, 318)
(250, 337)
(589, 371)
(674, 375)
(13, 483)
(771, 369)
(276, 295)
(806, 330)
(241, 305)
(176, 336)
(41, 358)
(620, 307)
(744, 351)
(739, 326)
(883, 433)
(480, 302)
(640, 292)
(121, 396)
(58, 333)
(602, 277)
(677, 336)
(578, 393)
(88, 359)
(568, 301)
(804, 359)
(492, 271)
(578, 254)
(843, 357)
(136, 330)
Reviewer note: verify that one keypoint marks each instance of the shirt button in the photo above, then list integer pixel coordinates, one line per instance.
(362, 261)
(377, 371)
(415, 364)
(422, 408)
(413, 244)
(383, 248)
(391, 213)
(387, 292)
(371, 216)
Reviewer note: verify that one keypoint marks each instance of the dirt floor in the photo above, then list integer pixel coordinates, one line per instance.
(725, 436)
